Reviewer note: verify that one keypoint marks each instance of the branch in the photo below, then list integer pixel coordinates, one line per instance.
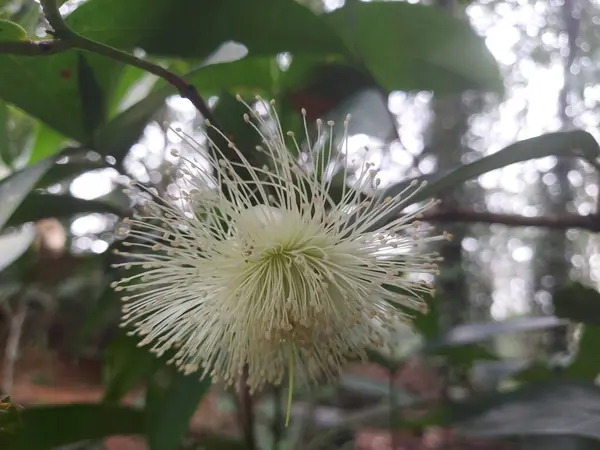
(65, 39)
(34, 48)
(589, 223)
(277, 421)
(246, 411)
(11, 353)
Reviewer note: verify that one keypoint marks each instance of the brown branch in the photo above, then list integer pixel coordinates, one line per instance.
(11, 353)
(589, 223)
(34, 48)
(246, 411)
(277, 422)
(67, 38)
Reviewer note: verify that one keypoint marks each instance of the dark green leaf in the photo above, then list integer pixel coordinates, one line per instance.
(229, 112)
(390, 39)
(49, 88)
(130, 77)
(6, 153)
(106, 306)
(579, 303)
(126, 365)
(17, 186)
(551, 408)
(11, 422)
(477, 332)
(42, 206)
(171, 407)
(537, 371)
(93, 102)
(249, 76)
(172, 28)
(47, 143)
(46, 87)
(18, 130)
(586, 363)
(327, 85)
(10, 31)
(428, 323)
(46, 427)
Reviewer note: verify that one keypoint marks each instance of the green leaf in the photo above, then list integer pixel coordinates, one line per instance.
(248, 76)
(478, 332)
(171, 408)
(14, 244)
(229, 112)
(171, 27)
(47, 143)
(428, 323)
(93, 101)
(130, 77)
(554, 408)
(46, 427)
(537, 371)
(68, 171)
(42, 206)
(106, 306)
(47, 88)
(569, 143)
(10, 31)
(18, 128)
(586, 364)
(579, 303)
(126, 365)
(413, 47)
(6, 153)
(17, 186)
(11, 422)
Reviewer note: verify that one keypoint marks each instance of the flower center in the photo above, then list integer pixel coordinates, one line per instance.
(285, 271)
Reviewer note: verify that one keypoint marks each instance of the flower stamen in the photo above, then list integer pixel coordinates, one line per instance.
(271, 271)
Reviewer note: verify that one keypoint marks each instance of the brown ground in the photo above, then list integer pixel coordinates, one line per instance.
(44, 378)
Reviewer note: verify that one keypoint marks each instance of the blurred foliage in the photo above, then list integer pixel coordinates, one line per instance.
(75, 112)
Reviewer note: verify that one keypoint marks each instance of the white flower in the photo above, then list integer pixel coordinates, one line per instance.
(269, 272)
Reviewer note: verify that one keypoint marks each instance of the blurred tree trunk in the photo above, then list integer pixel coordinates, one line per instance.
(445, 141)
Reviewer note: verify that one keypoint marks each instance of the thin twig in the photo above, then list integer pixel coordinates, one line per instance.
(11, 353)
(246, 411)
(277, 424)
(564, 222)
(394, 438)
(67, 38)
(34, 48)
